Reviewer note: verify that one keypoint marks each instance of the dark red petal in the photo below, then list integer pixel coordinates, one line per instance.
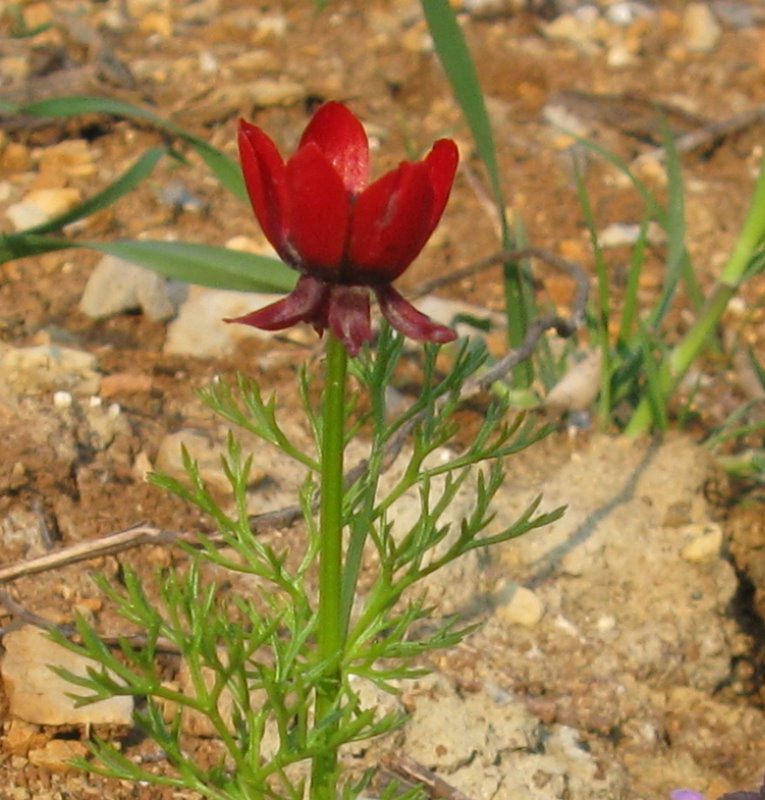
(390, 224)
(349, 316)
(342, 138)
(442, 163)
(264, 171)
(305, 303)
(406, 319)
(318, 211)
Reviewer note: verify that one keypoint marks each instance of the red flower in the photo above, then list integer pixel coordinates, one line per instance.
(344, 236)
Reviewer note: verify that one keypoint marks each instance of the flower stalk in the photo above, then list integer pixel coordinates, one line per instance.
(330, 632)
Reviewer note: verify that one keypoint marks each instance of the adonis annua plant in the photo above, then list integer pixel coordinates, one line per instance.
(276, 671)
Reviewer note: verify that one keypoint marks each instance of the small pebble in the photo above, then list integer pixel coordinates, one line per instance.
(40, 206)
(705, 546)
(116, 285)
(62, 399)
(517, 605)
(578, 387)
(619, 234)
(700, 32)
(281, 92)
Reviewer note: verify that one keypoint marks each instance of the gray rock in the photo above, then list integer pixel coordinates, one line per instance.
(36, 694)
(517, 605)
(199, 329)
(701, 31)
(491, 748)
(47, 368)
(116, 285)
(41, 205)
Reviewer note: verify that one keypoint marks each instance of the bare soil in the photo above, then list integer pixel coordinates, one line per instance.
(205, 63)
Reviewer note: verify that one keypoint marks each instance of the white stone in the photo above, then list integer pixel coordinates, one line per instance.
(268, 92)
(701, 31)
(62, 399)
(199, 329)
(48, 368)
(208, 64)
(620, 55)
(620, 234)
(705, 543)
(116, 285)
(578, 388)
(37, 694)
(518, 605)
(40, 206)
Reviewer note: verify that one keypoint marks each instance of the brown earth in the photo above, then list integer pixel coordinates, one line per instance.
(68, 478)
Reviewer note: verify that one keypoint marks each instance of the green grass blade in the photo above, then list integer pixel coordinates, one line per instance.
(205, 265)
(674, 225)
(453, 52)
(224, 168)
(653, 393)
(603, 310)
(458, 64)
(128, 181)
(25, 245)
(670, 219)
(656, 209)
(630, 307)
(752, 236)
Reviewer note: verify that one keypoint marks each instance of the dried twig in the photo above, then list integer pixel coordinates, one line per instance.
(22, 616)
(134, 537)
(415, 773)
(709, 134)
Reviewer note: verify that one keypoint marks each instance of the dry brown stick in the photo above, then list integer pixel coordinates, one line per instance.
(134, 537)
(414, 772)
(21, 615)
(710, 133)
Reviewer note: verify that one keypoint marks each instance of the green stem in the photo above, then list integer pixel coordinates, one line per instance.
(683, 355)
(330, 637)
(750, 240)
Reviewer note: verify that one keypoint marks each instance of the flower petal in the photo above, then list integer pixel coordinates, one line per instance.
(396, 215)
(349, 317)
(406, 319)
(264, 172)
(305, 303)
(342, 138)
(318, 212)
(390, 225)
(442, 163)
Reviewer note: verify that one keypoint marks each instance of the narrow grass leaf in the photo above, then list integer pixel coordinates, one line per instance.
(656, 209)
(654, 393)
(224, 168)
(128, 181)
(201, 264)
(751, 238)
(602, 316)
(458, 64)
(630, 306)
(205, 265)
(453, 52)
(677, 261)
(757, 367)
